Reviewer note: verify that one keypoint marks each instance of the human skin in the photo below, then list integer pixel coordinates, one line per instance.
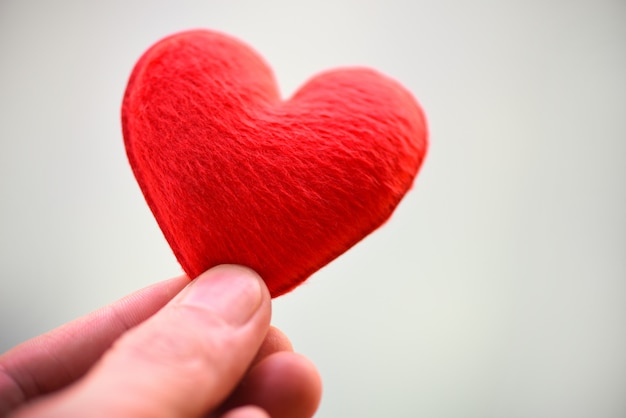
(174, 349)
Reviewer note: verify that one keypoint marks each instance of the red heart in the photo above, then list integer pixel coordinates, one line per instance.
(233, 174)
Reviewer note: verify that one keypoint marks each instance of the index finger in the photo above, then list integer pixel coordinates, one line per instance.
(59, 357)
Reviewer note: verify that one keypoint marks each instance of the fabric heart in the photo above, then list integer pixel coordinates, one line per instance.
(234, 174)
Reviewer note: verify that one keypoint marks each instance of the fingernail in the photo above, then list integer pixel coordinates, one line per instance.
(233, 292)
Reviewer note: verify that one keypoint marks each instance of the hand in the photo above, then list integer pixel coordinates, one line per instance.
(174, 349)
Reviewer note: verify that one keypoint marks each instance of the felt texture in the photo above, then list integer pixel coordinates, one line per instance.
(235, 174)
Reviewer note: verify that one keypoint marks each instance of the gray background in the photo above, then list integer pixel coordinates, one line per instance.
(498, 289)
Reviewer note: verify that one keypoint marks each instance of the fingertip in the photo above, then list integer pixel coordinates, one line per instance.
(275, 341)
(285, 384)
(233, 292)
(305, 383)
(248, 411)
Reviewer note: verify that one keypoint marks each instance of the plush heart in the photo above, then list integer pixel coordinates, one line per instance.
(234, 174)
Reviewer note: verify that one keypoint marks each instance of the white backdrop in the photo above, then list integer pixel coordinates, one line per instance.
(498, 289)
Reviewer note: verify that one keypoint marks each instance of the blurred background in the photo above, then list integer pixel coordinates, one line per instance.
(498, 288)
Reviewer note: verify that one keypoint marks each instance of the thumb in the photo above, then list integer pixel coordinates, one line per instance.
(184, 360)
